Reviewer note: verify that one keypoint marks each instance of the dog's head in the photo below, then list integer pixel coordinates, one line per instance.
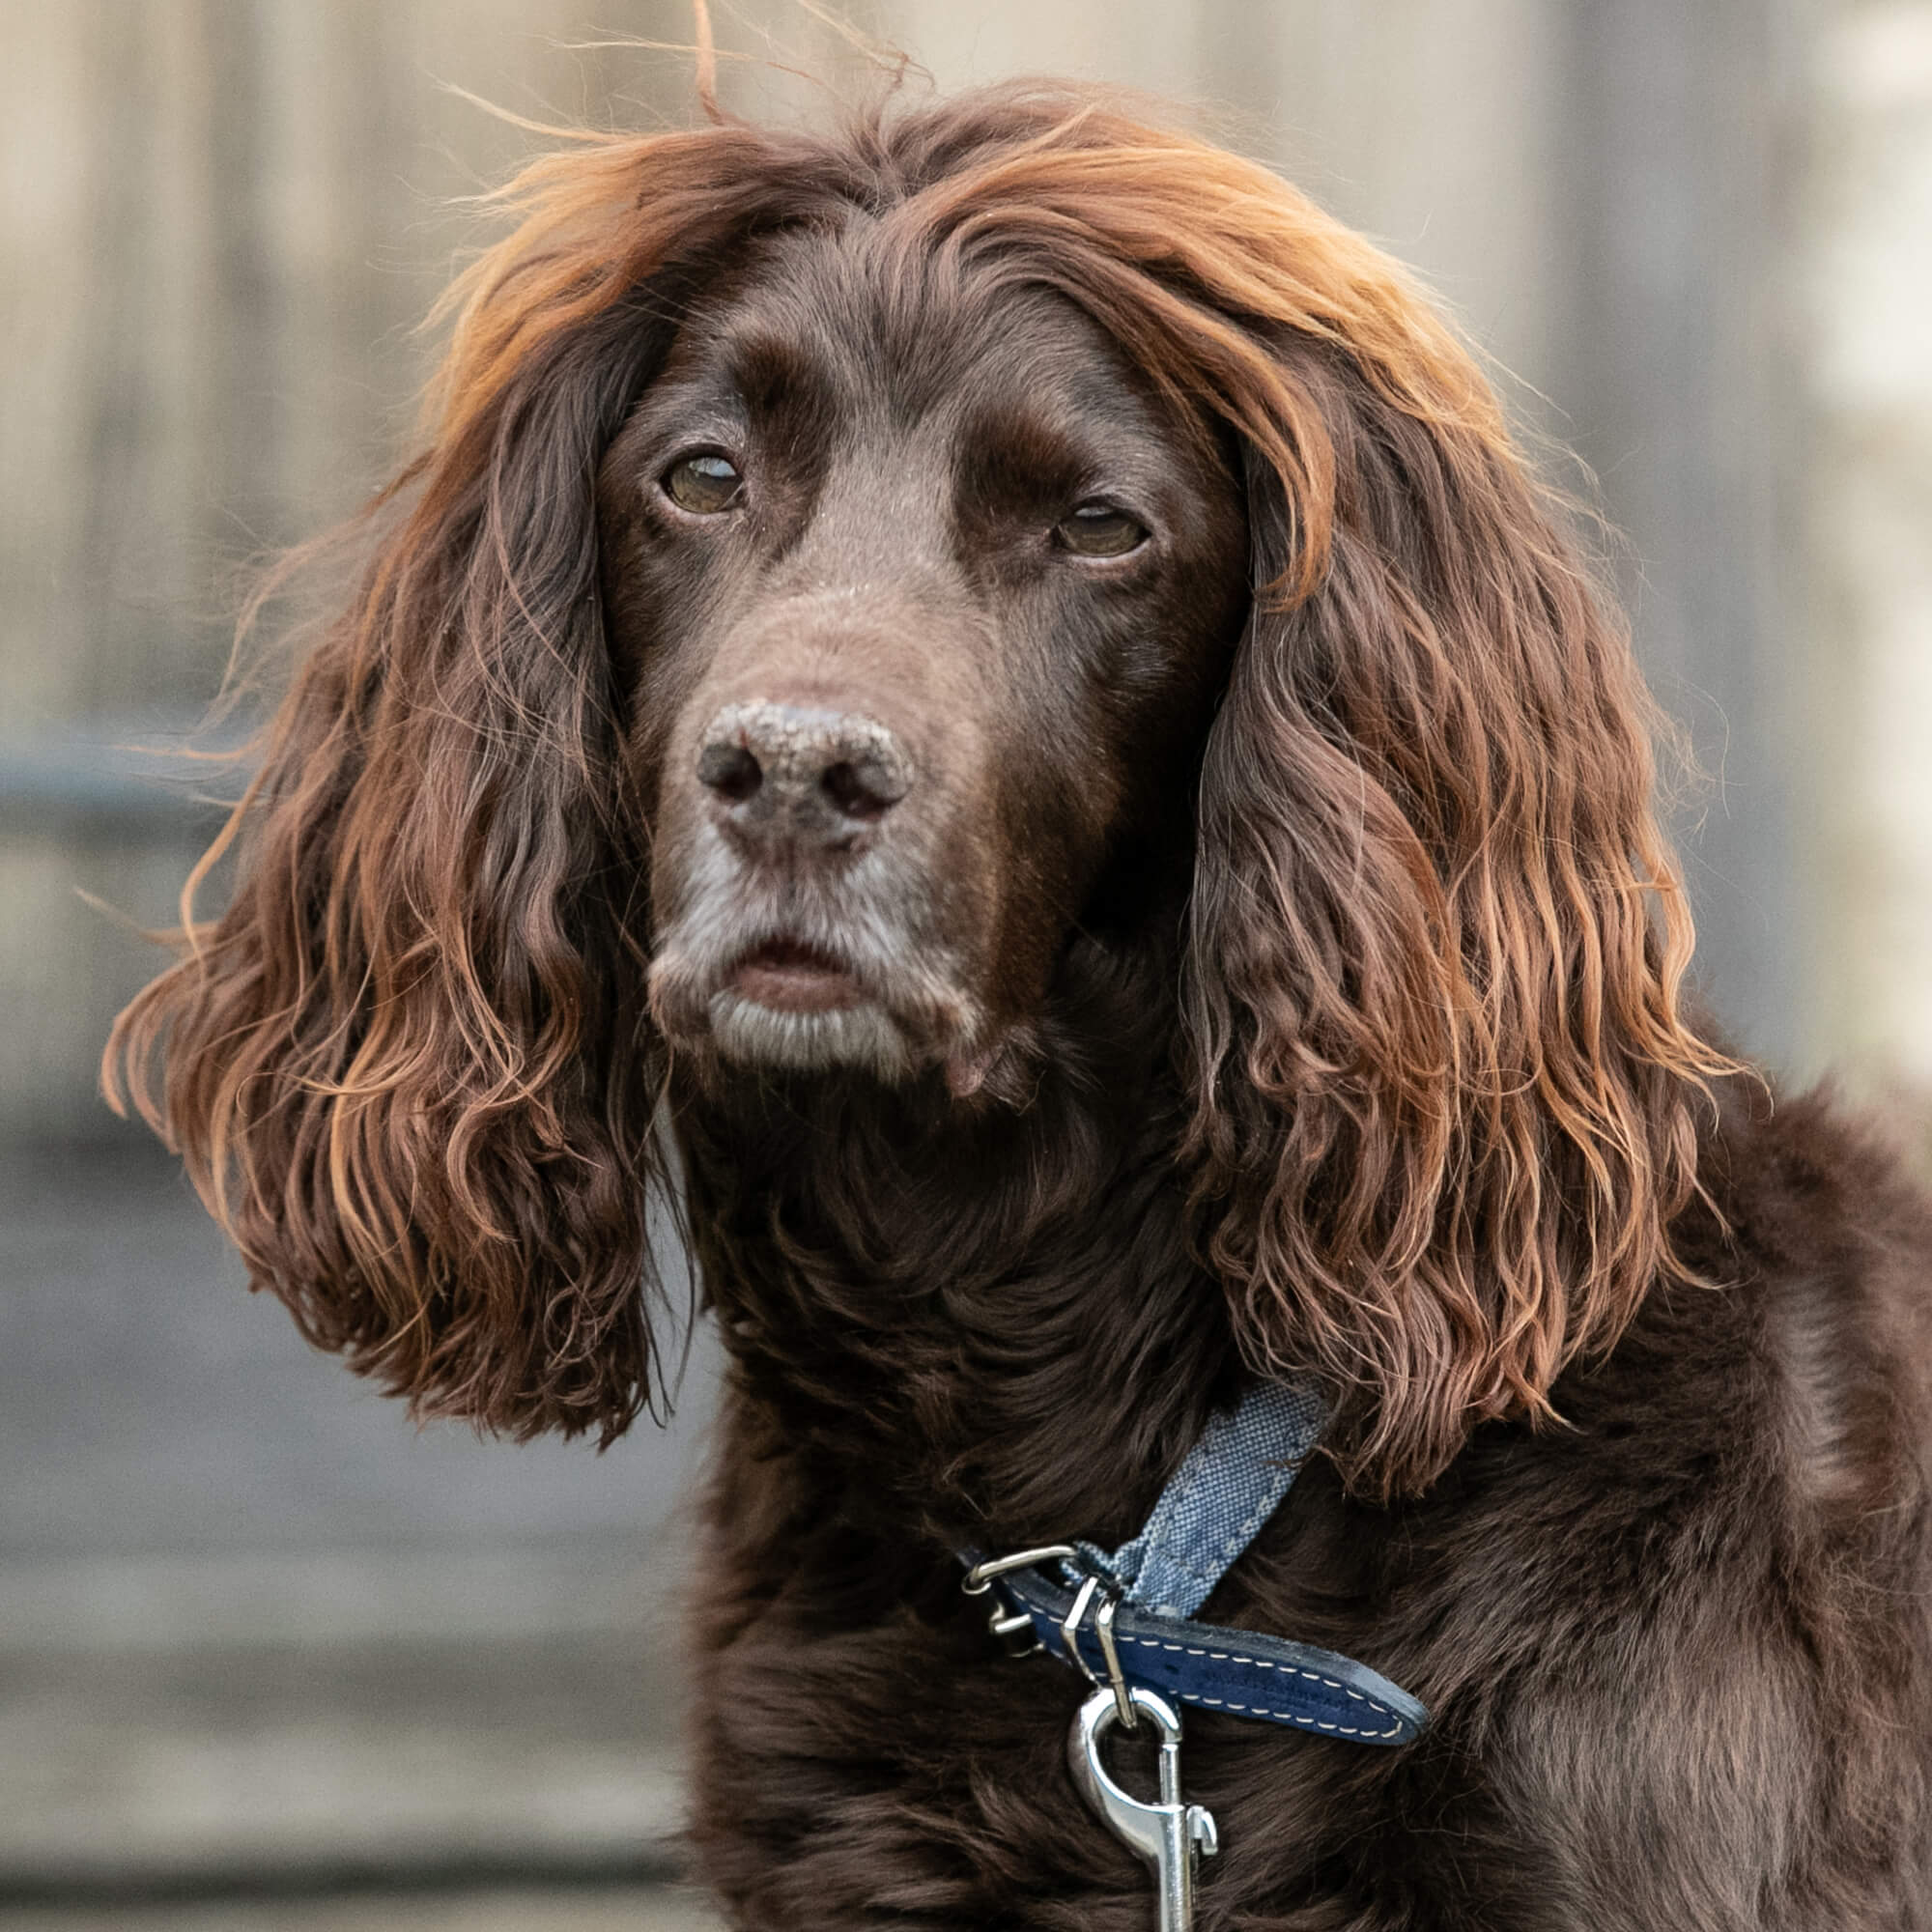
(919, 594)
(841, 572)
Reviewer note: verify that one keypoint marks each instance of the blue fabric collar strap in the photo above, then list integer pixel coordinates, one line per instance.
(1124, 1615)
(1228, 1484)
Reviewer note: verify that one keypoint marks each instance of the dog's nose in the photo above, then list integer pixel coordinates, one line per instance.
(774, 769)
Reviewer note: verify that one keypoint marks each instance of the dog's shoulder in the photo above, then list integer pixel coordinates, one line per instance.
(1816, 1248)
(1747, 1475)
(1756, 1449)
(1782, 1396)
(1697, 1595)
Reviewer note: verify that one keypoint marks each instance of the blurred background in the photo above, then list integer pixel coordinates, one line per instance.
(270, 1656)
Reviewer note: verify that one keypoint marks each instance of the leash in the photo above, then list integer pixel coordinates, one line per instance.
(1124, 1619)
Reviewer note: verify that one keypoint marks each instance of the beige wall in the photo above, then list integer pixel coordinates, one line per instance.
(1428, 126)
(1867, 689)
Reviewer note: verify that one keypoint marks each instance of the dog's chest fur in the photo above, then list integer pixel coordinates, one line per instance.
(1618, 1620)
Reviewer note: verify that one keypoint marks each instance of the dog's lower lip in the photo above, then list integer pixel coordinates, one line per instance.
(791, 978)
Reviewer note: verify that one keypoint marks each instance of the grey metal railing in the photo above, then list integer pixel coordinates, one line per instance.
(131, 777)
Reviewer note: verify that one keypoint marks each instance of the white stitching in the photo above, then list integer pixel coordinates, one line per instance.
(1292, 1718)
(1257, 1709)
(1263, 1663)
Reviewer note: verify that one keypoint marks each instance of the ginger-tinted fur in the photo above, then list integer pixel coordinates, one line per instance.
(1298, 992)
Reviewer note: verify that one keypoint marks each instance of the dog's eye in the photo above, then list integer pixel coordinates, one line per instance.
(704, 484)
(1099, 529)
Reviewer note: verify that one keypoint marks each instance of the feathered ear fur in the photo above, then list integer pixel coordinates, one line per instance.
(1444, 1098)
(409, 1068)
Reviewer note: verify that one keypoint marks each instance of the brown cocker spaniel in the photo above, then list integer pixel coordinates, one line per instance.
(992, 696)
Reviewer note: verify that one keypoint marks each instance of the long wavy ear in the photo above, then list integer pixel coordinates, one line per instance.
(1444, 1097)
(1443, 1100)
(410, 1066)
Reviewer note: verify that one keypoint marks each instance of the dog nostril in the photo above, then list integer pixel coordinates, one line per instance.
(730, 771)
(860, 790)
(782, 773)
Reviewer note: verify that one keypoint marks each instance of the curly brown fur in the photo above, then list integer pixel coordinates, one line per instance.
(1112, 831)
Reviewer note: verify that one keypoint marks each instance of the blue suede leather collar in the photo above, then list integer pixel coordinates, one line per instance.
(1228, 1484)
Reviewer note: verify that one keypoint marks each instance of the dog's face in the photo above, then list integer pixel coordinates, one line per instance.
(844, 569)
(919, 598)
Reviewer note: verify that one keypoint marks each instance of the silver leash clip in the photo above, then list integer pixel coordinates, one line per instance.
(1168, 1834)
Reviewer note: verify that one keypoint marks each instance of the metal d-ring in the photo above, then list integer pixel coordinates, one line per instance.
(1103, 1626)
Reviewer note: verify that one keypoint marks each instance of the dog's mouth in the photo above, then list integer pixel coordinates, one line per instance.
(784, 997)
(788, 976)
(787, 1002)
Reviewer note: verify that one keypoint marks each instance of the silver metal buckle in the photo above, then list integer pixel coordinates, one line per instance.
(979, 1580)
